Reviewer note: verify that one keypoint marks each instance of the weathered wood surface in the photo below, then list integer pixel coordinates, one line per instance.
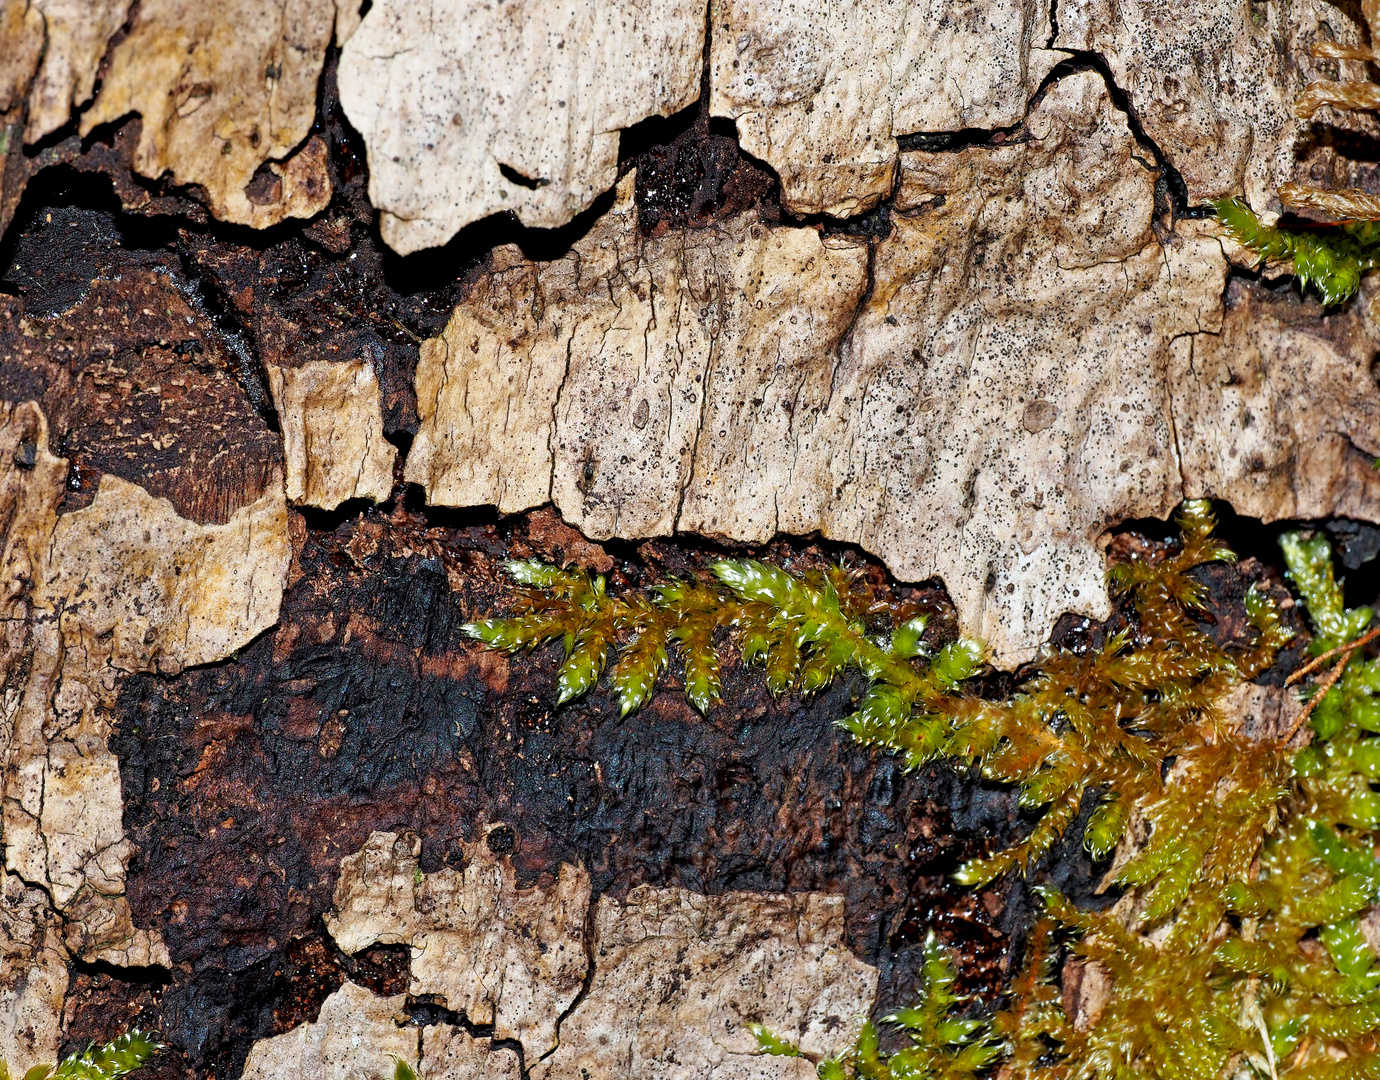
(950, 309)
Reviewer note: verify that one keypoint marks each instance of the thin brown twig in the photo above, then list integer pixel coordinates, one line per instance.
(1327, 682)
(1319, 661)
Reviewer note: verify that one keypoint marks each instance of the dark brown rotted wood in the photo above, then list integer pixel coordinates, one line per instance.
(132, 374)
(246, 782)
(367, 708)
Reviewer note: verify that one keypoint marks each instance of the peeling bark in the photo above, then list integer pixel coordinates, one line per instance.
(231, 643)
(1214, 91)
(332, 433)
(979, 394)
(469, 109)
(821, 94)
(509, 959)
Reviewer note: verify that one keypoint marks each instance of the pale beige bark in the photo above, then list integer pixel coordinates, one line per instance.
(448, 95)
(821, 91)
(676, 976)
(998, 398)
(223, 88)
(75, 37)
(359, 1034)
(356, 1037)
(332, 428)
(1213, 83)
(21, 48)
(505, 956)
(679, 976)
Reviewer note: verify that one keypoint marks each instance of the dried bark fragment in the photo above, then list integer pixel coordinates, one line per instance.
(357, 1037)
(584, 380)
(76, 33)
(33, 976)
(347, 19)
(469, 108)
(678, 976)
(1002, 398)
(156, 592)
(52, 735)
(223, 89)
(1264, 713)
(452, 1053)
(997, 401)
(820, 92)
(1087, 988)
(332, 432)
(1277, 414)
(1214, 85)
(505, 956)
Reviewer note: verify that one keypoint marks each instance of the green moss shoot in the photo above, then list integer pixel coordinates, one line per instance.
(117, 1058)
(1329, 259)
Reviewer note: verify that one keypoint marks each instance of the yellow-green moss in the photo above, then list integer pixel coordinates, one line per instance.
(1237, 947)
(1329, 258)
(115, 1059)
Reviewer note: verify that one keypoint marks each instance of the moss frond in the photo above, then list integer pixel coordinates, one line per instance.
(1330, 259)
(119, 1057)
(771, 1044)
(1104, 722)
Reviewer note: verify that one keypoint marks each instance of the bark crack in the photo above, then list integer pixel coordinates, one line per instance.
(587, 943)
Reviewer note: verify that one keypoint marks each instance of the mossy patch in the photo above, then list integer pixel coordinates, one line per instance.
(1246, 864)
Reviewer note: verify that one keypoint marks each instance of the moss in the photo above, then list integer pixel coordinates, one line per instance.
(1237, 946)
(1329, 259)
(117, 1058)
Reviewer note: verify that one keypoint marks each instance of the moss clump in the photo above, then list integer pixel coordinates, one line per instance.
(1329, 259)
(1237, 947)
(1264, 969)
(115, 1059)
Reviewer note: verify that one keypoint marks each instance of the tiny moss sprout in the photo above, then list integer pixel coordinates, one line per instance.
(1239, 945)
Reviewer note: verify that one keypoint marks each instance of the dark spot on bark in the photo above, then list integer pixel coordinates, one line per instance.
(1039, 415)
(265, 187)
(502, 840)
